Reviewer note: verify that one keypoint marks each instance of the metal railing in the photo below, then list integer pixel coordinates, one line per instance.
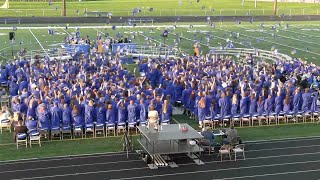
(241, 52)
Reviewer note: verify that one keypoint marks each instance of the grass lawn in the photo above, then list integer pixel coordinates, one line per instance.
(53, 148)
(303, 37)
(160, 8)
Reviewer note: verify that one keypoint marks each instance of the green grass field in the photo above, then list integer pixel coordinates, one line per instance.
(300, 36)
(65, 147)
(160, 8)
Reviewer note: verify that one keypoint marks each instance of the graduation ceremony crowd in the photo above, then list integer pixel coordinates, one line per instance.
(101, 91)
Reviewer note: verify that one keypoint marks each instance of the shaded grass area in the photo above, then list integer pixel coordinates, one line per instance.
(113, 144)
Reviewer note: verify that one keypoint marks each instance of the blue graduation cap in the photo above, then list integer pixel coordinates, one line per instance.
(113, 27)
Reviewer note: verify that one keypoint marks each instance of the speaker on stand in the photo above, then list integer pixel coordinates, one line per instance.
(12, 38)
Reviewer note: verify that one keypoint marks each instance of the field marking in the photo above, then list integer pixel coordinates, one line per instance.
(218, 170)
(253, 37)
(280, 36)
(64, 30)
(104, 26)
(186, 164)
(273, 174)
(39, 43)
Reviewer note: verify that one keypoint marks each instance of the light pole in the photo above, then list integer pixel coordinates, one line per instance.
(64, 7)
(275, 7)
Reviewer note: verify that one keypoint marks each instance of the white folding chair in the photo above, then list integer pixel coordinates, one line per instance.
(245, 118)
(315, 115)
(208, 122)
(300, 116)
(307, 115)
(34, 138)
(21, 139)
(255, 118)
(5, 125)
(282, 117)
(225, 150)
(238, 149)
(272, 117)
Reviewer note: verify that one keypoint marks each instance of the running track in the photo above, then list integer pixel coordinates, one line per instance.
(287, 159)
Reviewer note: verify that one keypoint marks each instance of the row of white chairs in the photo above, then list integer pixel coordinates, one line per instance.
(267, 119)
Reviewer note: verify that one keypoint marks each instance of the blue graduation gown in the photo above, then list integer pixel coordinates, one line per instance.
(306, 101)
(110, 116)
(56, 116)
(121, 114)
(260, 107)
(31, 112)
(89, 114)
(253, 106)
(314, 107)
(44, 120)
(296, 102)
(131, 113)
(66, 116)
(101, 115)
(244, 105)
(224, 106)
(278, 104)
(167, 115)
(78, 119)
(201, 113)
(143, 113)
(268, 105)
(234, 109)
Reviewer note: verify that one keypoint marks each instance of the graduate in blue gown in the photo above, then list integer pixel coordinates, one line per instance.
(143, 111)
(234, 105)
(101, 114)
(89, 117)
(110, 115)
(166, 112)
(224, 105)
(306, 100)
(77, 118)
(260, 105)
(278, 103)
(131, 108)
(253, 104)
(286, 104)
(56, 115)
(44, 117)
(296, 100)
(268, 104)
(201, 111)
(314, 96)
(66, 115)
(244, 104)
(121, 111)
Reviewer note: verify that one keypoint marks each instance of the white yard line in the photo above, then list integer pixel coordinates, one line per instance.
(39, 43)
(280, 36)
(253, 37)
(90, 27)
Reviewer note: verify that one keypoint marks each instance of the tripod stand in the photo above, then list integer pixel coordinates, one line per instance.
(127, 143)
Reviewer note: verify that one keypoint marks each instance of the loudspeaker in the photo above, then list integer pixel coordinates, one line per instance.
(11, 35)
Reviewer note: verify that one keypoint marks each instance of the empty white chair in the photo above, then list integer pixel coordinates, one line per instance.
(239, 149)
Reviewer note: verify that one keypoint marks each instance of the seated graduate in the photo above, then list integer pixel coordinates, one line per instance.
(153, 118)
(208, 139)
(19, 128)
